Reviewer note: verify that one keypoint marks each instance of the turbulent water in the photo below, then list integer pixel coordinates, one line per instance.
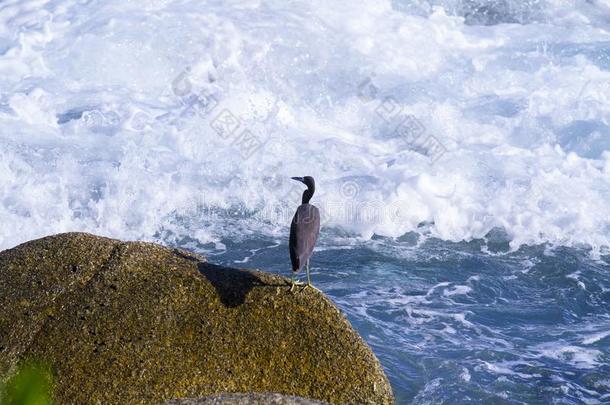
(453, 325)
(461, 150)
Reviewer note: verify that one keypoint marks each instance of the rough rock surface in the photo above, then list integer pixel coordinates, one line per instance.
(140, 323)
(246, 399)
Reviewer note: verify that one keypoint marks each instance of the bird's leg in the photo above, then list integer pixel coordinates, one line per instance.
(293, 282)
(307, 267)
(308, 285)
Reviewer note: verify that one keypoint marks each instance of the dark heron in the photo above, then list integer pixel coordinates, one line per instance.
(304, 230)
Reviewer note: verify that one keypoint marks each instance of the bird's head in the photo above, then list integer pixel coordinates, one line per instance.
(307, 180)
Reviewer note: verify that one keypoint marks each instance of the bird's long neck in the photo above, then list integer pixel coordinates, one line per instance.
(307, 194)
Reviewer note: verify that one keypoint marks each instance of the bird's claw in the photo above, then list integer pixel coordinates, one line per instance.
(309, 285)
(294, 284)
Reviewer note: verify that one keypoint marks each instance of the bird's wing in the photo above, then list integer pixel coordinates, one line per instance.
(315, 228)
(304, 232)
(293, 244)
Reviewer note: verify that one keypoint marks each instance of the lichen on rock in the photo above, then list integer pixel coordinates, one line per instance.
(134, 322)
(247, 399)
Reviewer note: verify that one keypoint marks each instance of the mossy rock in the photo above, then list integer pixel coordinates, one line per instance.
(247, 399)
(140, 323)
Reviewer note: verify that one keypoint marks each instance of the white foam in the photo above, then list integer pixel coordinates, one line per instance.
(465, 375)
(575, 276)
(457, 290)
(596, 337)
(506, 368)
(580, 357)
(103, 125)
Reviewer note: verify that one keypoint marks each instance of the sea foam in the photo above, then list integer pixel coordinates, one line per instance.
(185, 120)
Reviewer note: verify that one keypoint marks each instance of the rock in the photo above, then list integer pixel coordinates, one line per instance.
(246, 399)
(140, 323)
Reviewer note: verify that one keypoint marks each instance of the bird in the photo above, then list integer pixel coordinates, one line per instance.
(304, 231)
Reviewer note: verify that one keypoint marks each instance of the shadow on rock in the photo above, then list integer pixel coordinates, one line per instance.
(232, 285)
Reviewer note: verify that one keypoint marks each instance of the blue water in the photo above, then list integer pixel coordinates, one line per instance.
(426, 121)
(451, 323)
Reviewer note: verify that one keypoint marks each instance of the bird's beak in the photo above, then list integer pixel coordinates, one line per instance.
(302, 180)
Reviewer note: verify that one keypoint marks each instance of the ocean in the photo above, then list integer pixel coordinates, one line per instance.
(461, 151)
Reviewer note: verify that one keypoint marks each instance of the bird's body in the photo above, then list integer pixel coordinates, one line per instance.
(304, 230)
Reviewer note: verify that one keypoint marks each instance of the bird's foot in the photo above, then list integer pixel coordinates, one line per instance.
(309, 285)
(294, 284)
